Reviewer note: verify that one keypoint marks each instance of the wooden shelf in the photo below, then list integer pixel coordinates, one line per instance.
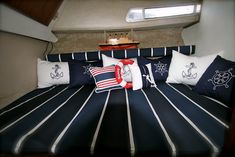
(108, 44)
(120, 46)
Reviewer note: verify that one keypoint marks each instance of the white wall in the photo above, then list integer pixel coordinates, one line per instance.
(111, 14)
(216, 29)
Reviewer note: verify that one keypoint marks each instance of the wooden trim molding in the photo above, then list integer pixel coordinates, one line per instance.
(42, 11)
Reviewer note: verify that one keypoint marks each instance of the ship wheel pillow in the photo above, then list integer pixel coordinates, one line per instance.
(80, 74)
(218, 81)
(187, 69)
(160, 66)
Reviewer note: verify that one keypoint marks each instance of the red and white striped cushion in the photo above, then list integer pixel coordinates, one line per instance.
(104, 78)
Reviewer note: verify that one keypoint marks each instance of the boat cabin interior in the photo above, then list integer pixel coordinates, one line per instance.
(130, 78)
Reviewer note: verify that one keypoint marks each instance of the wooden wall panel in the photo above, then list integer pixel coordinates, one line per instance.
(42, 11)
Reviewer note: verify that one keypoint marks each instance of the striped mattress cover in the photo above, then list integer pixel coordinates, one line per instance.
(167, 120)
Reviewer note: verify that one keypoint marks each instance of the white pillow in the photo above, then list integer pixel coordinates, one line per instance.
(52, 73)
(188, 69)
(126, 74)
(107, 61)
(142, 76)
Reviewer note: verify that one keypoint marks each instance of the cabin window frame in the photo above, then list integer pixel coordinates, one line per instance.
(129, 17)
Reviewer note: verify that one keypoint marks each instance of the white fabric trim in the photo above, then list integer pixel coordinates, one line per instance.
(217, 119)
(123, 83)
(151, 52)
(99, 55)
(86, 56)
(151, 74)
(125, 53)
(172, 145)
(27, 101)
(59, 57)
(132, 143)
(72, 55)
(99, 125)
(188, 86)
(217, 101)
(53, 148)
(214, 147)
(164, 51)
(112, 54)
(191, 49)
(8, 126)
(138, 52)
(20, 142)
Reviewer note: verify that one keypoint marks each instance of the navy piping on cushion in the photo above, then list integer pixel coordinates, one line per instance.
(127, 53)
(72, 56)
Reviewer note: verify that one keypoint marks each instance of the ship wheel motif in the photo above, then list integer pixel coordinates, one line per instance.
(161, 68)
(221, 78)
(87, 70)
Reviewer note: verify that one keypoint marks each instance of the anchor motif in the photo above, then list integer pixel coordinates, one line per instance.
(161, 68)
(189, 74)
(221, 78)
(56, 75)
(148, 79)
(86, 70)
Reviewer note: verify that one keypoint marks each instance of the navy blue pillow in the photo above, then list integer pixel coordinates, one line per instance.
(218, 81)
(160, 66)
(80, 74)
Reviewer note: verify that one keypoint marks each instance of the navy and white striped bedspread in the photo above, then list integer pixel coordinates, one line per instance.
(169, 120)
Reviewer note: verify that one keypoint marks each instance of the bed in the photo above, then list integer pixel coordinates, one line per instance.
(165, 120)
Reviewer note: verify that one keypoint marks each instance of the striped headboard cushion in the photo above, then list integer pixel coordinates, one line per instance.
(127, 53)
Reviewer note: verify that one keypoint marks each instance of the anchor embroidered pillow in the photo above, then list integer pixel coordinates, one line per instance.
(160, 66)
(80, 74)
(52, 73)
(187, 69)
(218, 81)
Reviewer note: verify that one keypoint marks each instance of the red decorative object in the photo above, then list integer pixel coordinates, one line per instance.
(106, 47)
(118, 75)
